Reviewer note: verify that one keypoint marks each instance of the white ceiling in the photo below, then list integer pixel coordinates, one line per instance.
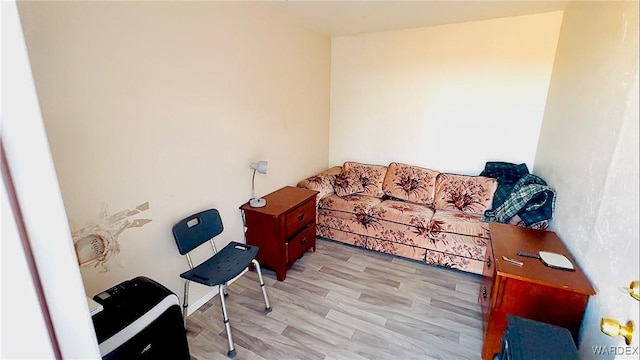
(339, 18)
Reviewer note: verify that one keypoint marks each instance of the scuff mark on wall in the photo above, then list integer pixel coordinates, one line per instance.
(97, 244)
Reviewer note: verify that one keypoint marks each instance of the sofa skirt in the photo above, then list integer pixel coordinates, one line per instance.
(466, 253)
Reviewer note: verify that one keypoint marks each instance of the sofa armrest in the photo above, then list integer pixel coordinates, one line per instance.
(321, 182)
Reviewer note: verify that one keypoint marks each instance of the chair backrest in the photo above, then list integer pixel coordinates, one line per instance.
(196, 229)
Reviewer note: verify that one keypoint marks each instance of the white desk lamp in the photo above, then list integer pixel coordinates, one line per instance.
(260, 167)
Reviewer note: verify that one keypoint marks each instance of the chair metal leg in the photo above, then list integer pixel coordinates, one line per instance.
(185, 303)
(232, 350)
(224, 289)
(264, 290)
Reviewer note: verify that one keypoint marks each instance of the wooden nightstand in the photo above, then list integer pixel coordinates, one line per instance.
(284, 229)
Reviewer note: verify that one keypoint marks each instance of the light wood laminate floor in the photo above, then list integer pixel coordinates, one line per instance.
(343, 302)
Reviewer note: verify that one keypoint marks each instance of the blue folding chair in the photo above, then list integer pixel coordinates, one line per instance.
(224, 265)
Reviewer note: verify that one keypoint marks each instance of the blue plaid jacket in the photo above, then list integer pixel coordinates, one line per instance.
(519, 193)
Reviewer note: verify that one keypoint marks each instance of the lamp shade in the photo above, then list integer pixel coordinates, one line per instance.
(260, 166)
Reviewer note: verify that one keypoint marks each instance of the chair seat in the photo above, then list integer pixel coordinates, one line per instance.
(224, 266)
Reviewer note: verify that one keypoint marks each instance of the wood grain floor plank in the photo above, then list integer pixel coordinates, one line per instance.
(343, 272)
(419, 346)
(331, 331)
(311, 341)
(447, 305)
(383, 299)
(446, 318)
(369, 262)
(401, 323)
(213, 345)
(385, 349)
(356, 308)
(343, 302)
(468, 288)
(277, 346)
(344, 354)
(332, 286)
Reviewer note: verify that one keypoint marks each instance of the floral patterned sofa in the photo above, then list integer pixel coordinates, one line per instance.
(407, 211)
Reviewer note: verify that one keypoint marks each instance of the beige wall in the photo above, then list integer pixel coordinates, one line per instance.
(588, 151)
(445, 97)
(169, 103)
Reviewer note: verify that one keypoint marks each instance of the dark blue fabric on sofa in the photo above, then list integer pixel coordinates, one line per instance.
(519, 193)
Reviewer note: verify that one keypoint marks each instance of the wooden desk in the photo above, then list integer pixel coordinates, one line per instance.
(533, 291)
(284, 229)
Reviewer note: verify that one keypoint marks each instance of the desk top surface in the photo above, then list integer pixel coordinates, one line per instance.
(507, 240)
(283, 199)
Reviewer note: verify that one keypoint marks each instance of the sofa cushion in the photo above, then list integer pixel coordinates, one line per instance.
(371, 223)
(347, 183)
(445, 222)
(469, 194)
(322, 182)
(371, 177)
(410, 183)
(403, 212)
(349, 204)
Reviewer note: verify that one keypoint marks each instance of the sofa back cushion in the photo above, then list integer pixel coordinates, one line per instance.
(410, 183)
(322, 182)
(371, 177)
(469, 194)
(347, 183)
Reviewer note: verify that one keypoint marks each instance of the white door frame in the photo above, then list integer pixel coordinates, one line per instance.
(38, 211)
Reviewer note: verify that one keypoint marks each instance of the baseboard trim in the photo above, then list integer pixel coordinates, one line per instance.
(203, 300)
(208, 296)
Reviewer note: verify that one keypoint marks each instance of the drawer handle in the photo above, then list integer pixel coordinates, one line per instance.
(303, 241)
(300, 217)
(489, 263)
(484, 293)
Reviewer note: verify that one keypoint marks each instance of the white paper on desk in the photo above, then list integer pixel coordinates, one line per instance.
(556, 260)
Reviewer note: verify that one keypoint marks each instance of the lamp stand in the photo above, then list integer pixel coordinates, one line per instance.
(255, 202)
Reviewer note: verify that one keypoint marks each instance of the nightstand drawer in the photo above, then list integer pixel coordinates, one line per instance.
(299, 217)
(301, 243)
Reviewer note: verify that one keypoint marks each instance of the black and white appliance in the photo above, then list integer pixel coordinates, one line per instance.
(141, 319)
